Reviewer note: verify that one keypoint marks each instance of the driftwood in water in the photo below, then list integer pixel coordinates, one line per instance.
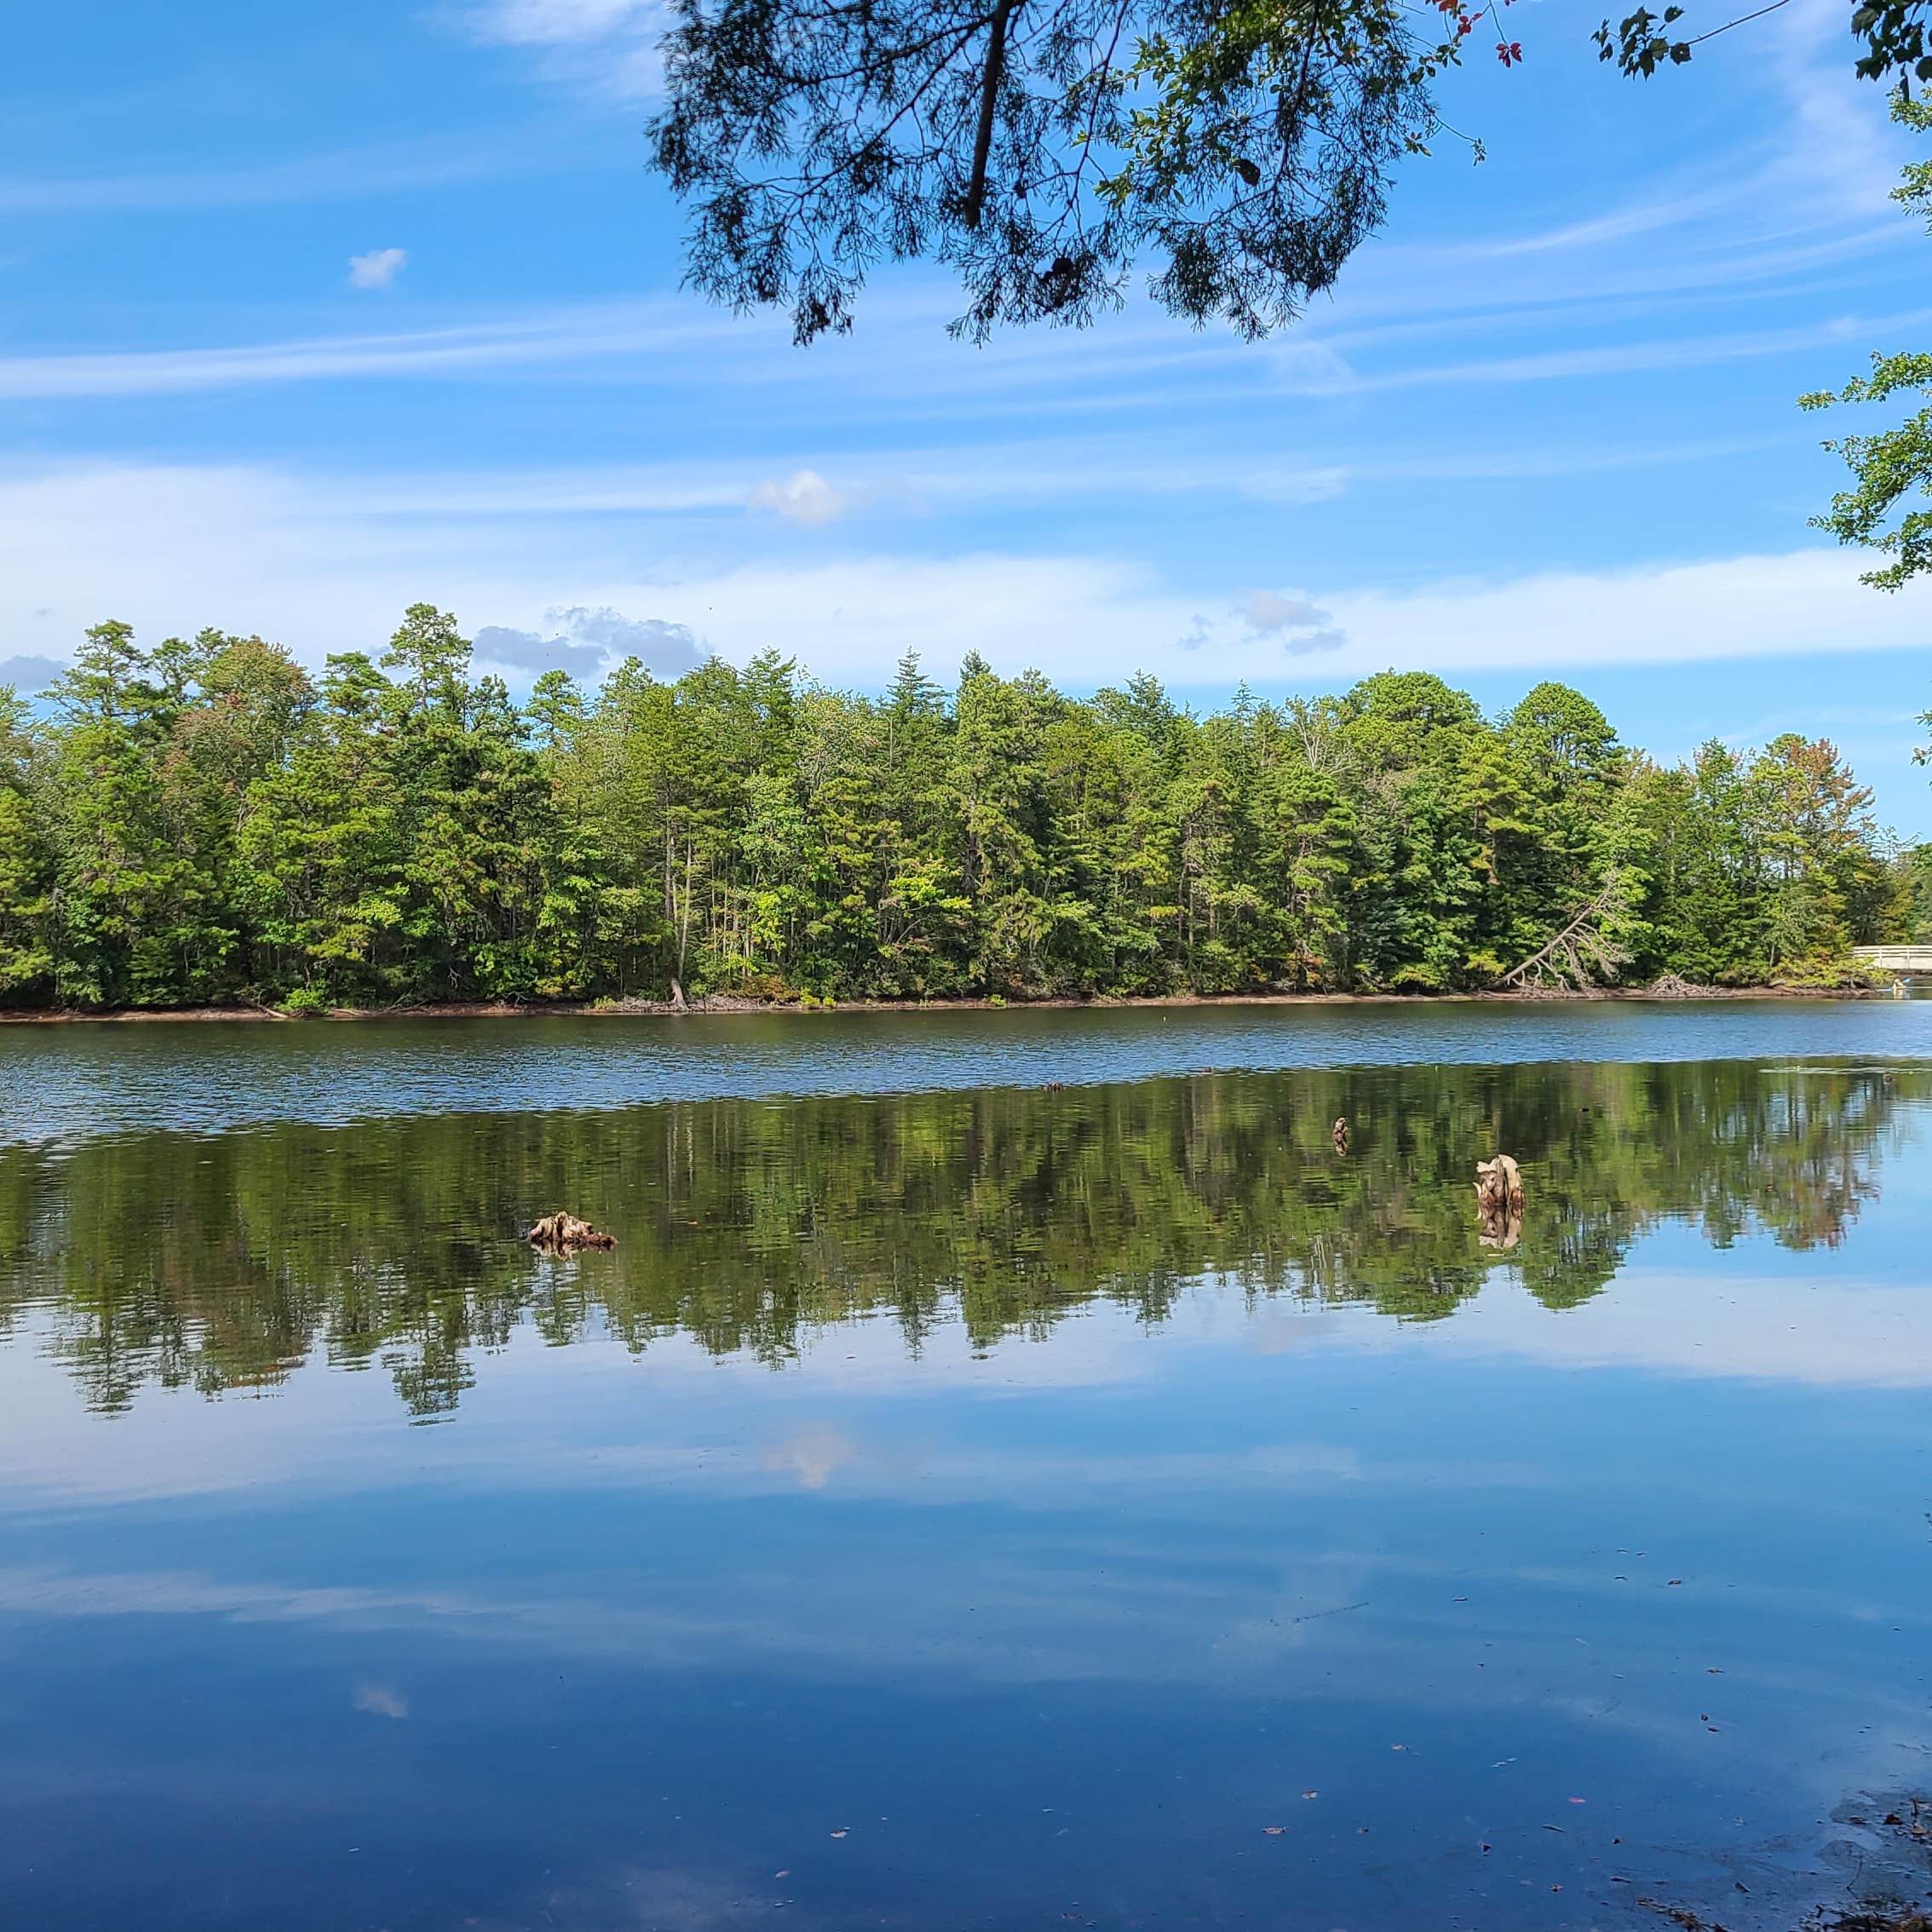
(561, 1233)
(1499, 1202)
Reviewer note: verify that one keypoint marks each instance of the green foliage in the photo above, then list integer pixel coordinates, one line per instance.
(27, 870)
(205, 823)
(1891, 34)
(1889, 466)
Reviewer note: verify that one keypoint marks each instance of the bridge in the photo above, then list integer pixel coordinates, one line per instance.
(1896, 958)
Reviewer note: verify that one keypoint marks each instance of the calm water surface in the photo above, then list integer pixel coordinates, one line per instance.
(957, 1502)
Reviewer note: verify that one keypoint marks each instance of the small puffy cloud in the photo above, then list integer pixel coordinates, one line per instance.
(1269, 611)
(377, 268)
(1302, 627)
(380, 1701)
(804, 496)
(663, 647)
(31, 674)
(584, 640)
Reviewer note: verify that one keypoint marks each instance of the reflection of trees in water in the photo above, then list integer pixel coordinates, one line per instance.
(224, 1263)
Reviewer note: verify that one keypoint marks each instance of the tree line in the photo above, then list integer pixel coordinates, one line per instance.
(206, 822)
(226, 1261)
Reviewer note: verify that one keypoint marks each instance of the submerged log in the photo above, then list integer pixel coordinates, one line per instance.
(562, 1233)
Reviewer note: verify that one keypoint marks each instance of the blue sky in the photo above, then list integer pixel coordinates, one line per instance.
(1545, 426)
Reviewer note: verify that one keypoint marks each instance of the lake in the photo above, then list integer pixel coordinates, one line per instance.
(1015, 1470)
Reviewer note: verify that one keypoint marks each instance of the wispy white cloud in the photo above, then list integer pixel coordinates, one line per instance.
(650, 343)
(607, 47)
(323, 563)
(318, 565)
(378, 268)
(469, 351)
(552, 23)
(1633, 358)
(275, 180)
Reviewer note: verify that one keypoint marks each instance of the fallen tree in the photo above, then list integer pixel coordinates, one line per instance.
(1581, 955)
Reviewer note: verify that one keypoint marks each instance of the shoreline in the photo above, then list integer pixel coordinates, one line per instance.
(727, 1003)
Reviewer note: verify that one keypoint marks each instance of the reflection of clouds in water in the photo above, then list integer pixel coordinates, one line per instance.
(379, 1701)
(1280, 1331)
(1711, 1328)
(728, 1426)
(810, 1455)
(1346, 1625)
(691, 1899)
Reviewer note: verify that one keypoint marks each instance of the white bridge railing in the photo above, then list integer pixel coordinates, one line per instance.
(1896, 958)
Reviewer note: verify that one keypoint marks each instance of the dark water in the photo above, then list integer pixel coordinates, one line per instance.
(956, 1503)
(97, 1078)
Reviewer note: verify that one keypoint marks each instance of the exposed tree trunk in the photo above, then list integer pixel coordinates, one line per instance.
(684, 924)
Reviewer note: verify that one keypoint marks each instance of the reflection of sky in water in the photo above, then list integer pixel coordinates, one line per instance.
(1273, 1613)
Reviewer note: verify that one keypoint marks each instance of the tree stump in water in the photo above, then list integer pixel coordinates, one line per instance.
(1499, 1202)
(1499, 1186)
(561, 1233)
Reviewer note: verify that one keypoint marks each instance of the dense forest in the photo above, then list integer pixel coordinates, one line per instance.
(226, 1261)
(205, 822)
